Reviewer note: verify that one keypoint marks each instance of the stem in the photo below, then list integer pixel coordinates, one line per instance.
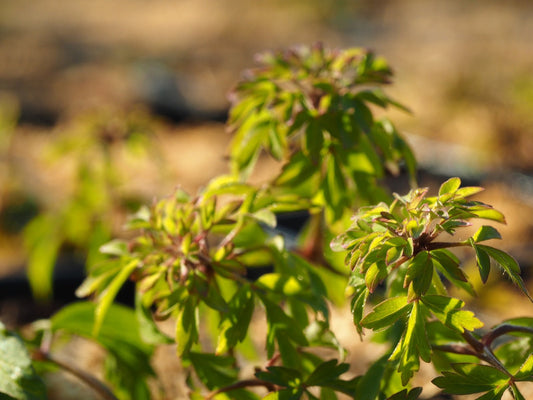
(456, 348)
(444, 245)
(503, 330)
(485, 353)
(83, 376)
(242, 384)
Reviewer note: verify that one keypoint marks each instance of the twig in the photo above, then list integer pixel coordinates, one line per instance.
(242, 384)
(88, 379)
(488, 338)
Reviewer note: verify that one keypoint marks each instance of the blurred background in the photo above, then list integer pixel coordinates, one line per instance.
(105, 105)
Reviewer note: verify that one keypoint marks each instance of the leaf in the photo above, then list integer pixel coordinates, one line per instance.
(213, 370)
(487, 212)
(471, 378)
(483, 262)
(148, 330)
(128, 365)
(526, 370)
(376, 273)
(18, 379)
(285, 284)
(508, 264)
(368, 387)
(419, 275)
(386, 313)
(186, 326)
(105, 299)
(281, 376)
(448, 265)
(448, 311)
(326, 372)
(43, 240)
(405, 394)
(412, 346)
(449, 187)
(313, 140)
(234, 326)
(486, 233)
(115, 247)
(266, 217)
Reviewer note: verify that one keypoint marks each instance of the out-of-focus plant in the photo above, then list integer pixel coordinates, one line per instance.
(82, 217)
(190, 258)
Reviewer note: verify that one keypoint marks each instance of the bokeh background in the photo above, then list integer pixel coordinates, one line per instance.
(129, 98)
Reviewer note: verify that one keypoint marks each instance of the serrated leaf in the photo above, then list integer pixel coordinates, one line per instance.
(386, 313)
(471, 378)
(376, 273)
(419, 275)
(526, 370)
(405, 394)
(18, 379)
(486, 233)
(413, 345)
(234, 326)
(326, 372)
(508, 264)
(483, 262)
(213, 370)
(448, 311)
(281, 376)
(186, 326)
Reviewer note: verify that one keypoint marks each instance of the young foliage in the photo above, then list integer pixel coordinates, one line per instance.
(311, 108)
(191, 258)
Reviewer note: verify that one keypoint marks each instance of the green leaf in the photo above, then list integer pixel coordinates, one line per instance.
(483, 262)
(281, 376)
(449, 187)
(406, 394)
(285, 284)
(18, 379)
(413, 345)
(213, 370)
(471, 378)
(369, 385)
(484, 211)
(186, 326)
(448, 311)
(234, 326)
(115, 247)
(508, 264)
(148, 330)
(326, 372)
(448, 265)
(526, 370)
(386, 313)
(376, 273)
(43, 240)
(128, 365)
(105, 299)
(419, 275)
(313, 140)
(486, 233)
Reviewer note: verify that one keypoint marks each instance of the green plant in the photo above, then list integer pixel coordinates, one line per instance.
(81, 217)
(190, 257)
